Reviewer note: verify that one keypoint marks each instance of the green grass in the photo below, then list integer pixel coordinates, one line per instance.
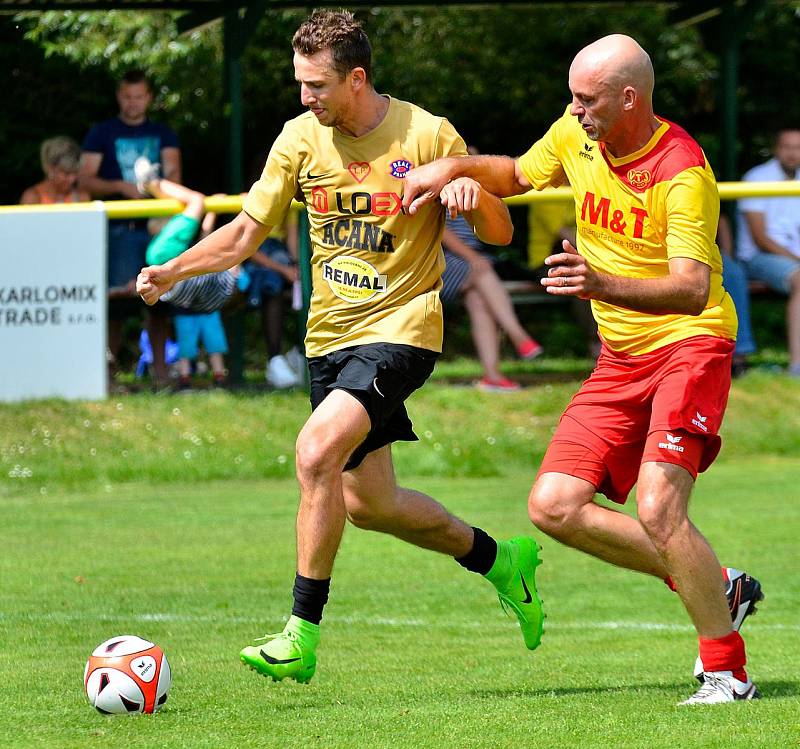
(415, 651)
(214, 436)
(172, 518)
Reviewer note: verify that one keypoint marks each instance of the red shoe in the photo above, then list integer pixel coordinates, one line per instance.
(503, 385)
(529, 349)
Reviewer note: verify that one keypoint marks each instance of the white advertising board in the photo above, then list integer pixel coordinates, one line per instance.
(53, 303)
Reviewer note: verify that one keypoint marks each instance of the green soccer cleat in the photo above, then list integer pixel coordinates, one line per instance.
(288, 654)
(514, 576)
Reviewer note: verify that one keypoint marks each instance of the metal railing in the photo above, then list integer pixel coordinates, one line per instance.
(233, 203)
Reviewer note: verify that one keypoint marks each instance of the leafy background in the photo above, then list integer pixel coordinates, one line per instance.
(498, 73)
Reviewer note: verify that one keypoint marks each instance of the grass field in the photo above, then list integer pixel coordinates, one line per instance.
(107, 528)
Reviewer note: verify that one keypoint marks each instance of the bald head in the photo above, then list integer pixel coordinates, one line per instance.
(612, 92)
(618, 61)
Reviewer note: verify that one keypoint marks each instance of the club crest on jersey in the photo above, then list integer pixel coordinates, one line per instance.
(639, 178)
(352, 279)
(400, 168)
(359, 170)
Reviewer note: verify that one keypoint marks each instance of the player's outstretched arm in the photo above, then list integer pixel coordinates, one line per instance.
(227, 246)
(499, 175)
(487, 214)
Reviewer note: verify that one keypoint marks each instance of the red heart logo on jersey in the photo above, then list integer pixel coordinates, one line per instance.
(360, 170)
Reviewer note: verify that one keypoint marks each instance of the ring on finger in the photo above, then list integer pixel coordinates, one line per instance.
(563, 280)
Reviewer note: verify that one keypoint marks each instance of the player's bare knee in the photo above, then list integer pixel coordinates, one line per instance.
(362, 516)
(363, 511)
(548, 512)
(659, 520)
(314, 458)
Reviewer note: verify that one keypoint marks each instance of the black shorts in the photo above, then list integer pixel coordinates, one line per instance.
(381, 376)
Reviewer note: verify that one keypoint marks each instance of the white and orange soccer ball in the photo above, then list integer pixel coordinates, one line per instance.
(127, 674)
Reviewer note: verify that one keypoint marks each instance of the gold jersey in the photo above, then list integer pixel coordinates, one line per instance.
(376, 272)
(635, 213)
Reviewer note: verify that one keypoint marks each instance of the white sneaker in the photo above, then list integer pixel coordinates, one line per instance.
(280, 375)
(722, 686)
(145, 172)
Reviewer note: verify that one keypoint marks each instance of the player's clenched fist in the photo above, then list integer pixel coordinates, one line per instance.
(424, 183)
(152, 282)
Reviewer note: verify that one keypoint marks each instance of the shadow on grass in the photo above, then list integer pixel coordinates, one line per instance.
(571, 691)
(768, 689)
(778, 689)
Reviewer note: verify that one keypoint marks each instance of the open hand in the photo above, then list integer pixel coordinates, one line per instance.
(569, 274)
(460, 195)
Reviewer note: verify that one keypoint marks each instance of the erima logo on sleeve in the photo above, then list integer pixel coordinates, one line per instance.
(672, 443)
(353, 280)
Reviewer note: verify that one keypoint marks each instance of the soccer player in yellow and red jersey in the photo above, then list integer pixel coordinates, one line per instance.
(374, 328)
(647, 209)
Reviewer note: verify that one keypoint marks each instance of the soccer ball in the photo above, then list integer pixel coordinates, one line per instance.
(127, 674)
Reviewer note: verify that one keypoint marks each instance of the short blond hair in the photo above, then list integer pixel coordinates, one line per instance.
(60, 152)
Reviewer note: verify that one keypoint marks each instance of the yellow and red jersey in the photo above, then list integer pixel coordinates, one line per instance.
(635, 213)
(376, 271)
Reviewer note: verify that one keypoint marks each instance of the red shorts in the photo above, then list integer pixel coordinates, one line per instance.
(665, 406)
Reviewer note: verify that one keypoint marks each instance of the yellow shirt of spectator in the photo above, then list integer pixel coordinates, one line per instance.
(376, 271)
(635, 213)
(545, 222)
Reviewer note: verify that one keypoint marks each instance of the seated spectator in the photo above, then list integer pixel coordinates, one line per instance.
(469, 273)
(768, 240)
(200, 320)
(60, 159)
(734, 279)
(272, 270)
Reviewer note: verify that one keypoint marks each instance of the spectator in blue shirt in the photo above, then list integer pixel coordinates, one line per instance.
(110, 150)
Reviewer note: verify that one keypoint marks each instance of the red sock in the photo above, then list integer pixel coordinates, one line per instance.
(724, 654)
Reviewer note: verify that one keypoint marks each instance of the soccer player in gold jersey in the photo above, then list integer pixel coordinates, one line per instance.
(374, 327)
(647, 208)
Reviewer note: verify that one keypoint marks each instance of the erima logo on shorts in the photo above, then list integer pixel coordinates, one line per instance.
(672, 444)
(700, 421)
(353, 279)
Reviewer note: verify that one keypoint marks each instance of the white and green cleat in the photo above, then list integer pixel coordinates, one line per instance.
(289, 654)
(514, 576)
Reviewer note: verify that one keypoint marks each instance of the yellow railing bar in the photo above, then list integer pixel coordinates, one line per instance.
(727, 191)
(233, 203)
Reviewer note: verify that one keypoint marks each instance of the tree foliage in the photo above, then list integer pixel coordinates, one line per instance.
(499, 73)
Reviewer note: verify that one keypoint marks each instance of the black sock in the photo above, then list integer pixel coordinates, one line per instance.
(310, 597)
(481, 556)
